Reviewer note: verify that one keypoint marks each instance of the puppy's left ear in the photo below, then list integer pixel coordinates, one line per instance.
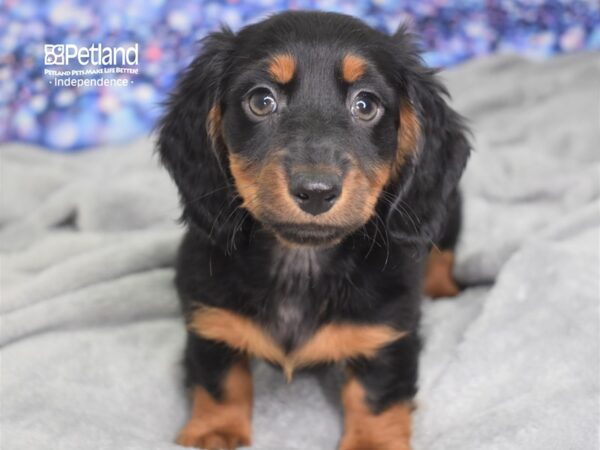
(432, 148)
(190, 142)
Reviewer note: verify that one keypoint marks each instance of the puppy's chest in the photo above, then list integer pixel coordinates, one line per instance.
(293, 326)
(295, 303)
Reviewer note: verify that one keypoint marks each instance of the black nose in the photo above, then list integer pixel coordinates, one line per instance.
(315, 193)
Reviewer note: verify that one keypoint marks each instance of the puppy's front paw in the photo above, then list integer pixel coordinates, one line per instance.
(366, 430)
(373, 442)
(227, 437)
(224, 423)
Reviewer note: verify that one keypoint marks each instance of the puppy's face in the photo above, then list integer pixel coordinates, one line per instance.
(319, 123)
(310, 127)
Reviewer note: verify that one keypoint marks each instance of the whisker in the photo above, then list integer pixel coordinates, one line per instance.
(212, 228)
(409, 213)
(396, 206)
(238, 223)
(373, 240)
(207, 194)
(387, 241)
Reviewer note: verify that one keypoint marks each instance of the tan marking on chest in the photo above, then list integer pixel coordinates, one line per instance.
(237, 331)
(331, 343)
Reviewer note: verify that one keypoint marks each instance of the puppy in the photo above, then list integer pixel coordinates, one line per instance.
(317, 162)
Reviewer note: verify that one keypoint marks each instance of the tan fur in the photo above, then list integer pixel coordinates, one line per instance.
(331, 343)
(409, 134)
(224, 424)
(363, 430)
(264, 191)
(439, 281)
(237, 331)
(282, 68)
(246, 179)
(380, 178)
(337, 342)
(213, 122)
(353, 68)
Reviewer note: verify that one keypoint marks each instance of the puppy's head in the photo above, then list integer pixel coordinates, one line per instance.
(313, 123)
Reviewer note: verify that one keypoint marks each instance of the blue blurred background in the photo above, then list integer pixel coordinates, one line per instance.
(71, 118)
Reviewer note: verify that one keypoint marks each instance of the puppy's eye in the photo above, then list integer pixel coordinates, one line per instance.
(262, 102)
(365, 106)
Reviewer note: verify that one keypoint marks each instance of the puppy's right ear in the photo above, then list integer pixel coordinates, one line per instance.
(190, 143)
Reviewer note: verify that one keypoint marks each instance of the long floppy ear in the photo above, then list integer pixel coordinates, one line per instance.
(190, 143)
(432, 149)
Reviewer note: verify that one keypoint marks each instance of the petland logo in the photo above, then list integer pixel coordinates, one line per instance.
(105, 66)
(96, 54)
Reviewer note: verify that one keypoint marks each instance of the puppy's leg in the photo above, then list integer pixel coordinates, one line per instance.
(221, 388)
(377, 399)
(439, 280)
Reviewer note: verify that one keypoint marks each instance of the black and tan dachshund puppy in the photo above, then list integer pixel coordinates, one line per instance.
(317, 162)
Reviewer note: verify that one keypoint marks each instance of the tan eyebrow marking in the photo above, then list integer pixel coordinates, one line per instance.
(282, 68)
(353, 67)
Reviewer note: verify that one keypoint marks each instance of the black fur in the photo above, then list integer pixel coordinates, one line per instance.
(373, 274)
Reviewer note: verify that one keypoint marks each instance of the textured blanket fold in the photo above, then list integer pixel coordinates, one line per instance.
(92, 339)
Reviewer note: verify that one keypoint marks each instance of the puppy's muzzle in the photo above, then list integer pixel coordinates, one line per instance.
(314, 192)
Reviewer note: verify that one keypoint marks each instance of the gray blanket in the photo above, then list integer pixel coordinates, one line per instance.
(92, 339)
